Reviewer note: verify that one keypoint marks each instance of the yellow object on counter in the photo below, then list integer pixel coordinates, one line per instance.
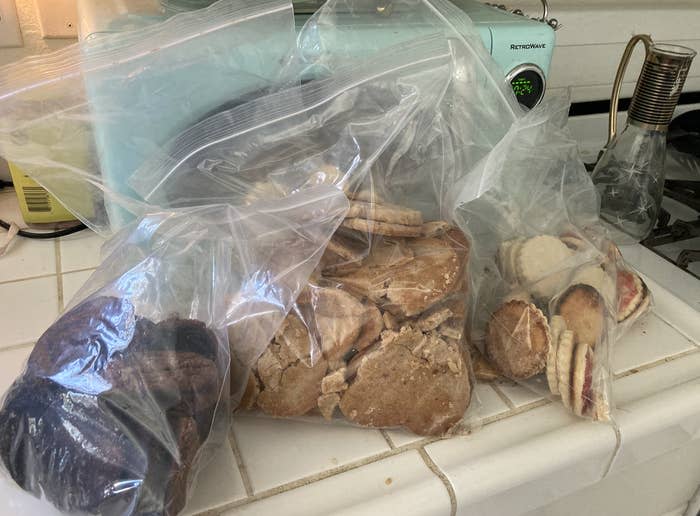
(36, 204)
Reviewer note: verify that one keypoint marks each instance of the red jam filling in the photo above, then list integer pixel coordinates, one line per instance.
(626, 289)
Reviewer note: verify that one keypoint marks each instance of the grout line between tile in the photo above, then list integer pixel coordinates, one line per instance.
(59, 277)
(28, 278)
(388, 439)
(240, 463)
(505, 399)
(443, 478)
(656, 363)
(300, 482)
(16, 346)
(676, 328)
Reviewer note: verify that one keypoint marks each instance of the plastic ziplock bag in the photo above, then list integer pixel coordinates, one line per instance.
(80, 121)
(549, 290)
(332, 131)
(126, 396)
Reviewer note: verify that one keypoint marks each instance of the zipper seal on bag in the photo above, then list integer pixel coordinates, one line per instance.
(281, 105)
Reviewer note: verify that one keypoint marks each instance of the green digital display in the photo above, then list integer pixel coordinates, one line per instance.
(522, 86)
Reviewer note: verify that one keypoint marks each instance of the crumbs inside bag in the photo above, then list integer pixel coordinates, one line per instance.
(112, 410)
(377, 336)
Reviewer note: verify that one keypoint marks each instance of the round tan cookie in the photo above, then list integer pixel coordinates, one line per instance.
(413, 380)
(517, 339)
(598, 278)
(556, 326)
(539, 265)
(382, 228)
(565, 353)
(583, 309)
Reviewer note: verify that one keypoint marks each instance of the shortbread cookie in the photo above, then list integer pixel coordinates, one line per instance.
(583, 309)
(435, 228)
(517, 339)
(564, 356)
(327, 404)
(484, 371)
(556, 325)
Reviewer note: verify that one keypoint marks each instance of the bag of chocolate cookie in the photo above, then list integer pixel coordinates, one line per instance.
(126, 396)
(550, 292)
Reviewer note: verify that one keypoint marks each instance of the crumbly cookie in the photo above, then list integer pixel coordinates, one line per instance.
(430, 321)
(382, 228)
(539, 265)
(373, 326)
(390, 321)
(289, 387)
(435, 271)
(384, 213)
(557, 325)
(339, 319)
(411, 379)
(335, 381)
(517, 339)
(583, 308)
(327, 404)
(564, 357)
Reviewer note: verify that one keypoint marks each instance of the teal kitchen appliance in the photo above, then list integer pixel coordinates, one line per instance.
(521, 46)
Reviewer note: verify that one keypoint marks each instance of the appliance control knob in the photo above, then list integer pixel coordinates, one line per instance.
(528, 83)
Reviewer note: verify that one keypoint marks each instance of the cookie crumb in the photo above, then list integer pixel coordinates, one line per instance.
(388, 481)
(327, 404)
(334, 382)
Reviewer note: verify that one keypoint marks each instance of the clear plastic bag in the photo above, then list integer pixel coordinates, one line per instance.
(344, 338)
(549, 291)
(126, 396)
(80, 121)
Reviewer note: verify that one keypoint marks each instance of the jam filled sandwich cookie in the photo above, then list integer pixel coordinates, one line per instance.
(583, 309)
(632, 295)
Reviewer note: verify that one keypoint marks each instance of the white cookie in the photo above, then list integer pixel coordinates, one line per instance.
(539, 265)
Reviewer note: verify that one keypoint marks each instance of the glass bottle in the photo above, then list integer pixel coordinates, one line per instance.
(629, 177)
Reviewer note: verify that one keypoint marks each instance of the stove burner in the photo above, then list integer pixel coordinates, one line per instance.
(685, 192)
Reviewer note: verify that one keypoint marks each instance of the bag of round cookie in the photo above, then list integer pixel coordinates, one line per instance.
(126, 397)
(550, 292)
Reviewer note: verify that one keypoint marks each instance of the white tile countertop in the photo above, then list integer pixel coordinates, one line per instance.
(525, 455)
